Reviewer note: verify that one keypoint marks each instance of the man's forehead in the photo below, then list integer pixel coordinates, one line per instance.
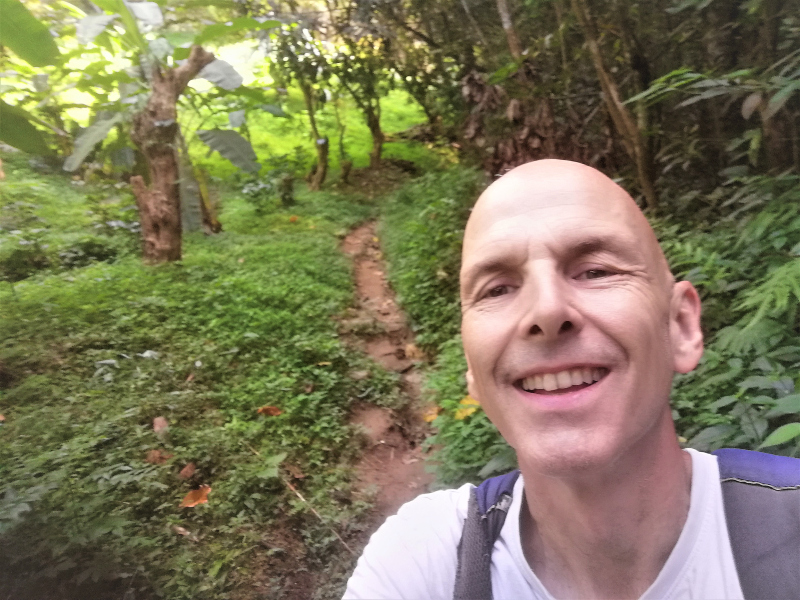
(564, 196)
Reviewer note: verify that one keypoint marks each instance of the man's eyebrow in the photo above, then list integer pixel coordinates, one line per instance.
(489, 264)
(603, 243)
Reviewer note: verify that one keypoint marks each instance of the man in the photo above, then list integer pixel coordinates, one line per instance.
(572, 327)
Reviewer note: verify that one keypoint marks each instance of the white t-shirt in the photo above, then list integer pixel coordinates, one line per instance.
(413, 555)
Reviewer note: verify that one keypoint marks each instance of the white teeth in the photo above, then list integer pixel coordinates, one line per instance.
(549, 382)
(562, 379)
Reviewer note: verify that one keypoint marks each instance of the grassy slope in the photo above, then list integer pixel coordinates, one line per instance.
(242, 322)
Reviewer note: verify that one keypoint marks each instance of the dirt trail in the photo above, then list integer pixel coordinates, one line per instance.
(393, 461)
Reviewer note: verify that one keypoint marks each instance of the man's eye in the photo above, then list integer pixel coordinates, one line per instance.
(595, 274)
(496, 291)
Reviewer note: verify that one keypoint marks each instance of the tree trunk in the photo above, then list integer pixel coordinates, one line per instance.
(320, 143)
(508, 26)
(374, 124)
(620, 115)
(154, 130)
(321, 170)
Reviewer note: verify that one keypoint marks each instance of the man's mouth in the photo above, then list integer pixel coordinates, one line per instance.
(563, 381)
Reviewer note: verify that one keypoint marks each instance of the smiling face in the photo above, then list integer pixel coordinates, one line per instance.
(572, 324)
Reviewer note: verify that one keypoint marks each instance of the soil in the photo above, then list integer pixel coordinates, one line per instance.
(392, 464)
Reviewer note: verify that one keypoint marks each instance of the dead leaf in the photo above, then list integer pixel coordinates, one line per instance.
(324, 363)
(241, 260)
(358, 375)
(157, 457)
(375, 239)
(309, 387)
(270, 411)
(295, 471)
(187, 471)
(195, 497)
(430, 415)
(2, 419)
(293, 219)
(190, 377)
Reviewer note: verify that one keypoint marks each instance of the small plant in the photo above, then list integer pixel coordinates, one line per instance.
(278, 181)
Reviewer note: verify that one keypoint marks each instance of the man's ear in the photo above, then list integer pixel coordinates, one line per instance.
(686, 336)
(471, 382)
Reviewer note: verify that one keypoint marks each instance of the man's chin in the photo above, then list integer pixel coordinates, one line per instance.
(564, 458)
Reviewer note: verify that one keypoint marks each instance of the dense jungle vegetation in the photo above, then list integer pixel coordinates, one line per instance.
(177, 177)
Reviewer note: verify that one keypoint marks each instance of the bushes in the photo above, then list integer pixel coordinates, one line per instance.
(422, 228)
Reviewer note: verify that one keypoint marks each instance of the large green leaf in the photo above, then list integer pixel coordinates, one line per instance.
(782, 435)
(16, 130)
(25, 35)
(88, 139)
(242, 23)
(133, 37)
(90, 27)
(222, 74)
(232, 146)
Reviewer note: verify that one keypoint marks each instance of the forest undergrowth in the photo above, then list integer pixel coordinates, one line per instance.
(126, 387)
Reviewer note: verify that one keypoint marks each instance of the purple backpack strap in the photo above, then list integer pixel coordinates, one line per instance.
(486, 513)
(761, 494)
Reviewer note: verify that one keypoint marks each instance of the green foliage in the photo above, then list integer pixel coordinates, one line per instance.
(471, 447)
(421, 228)
(91, 356)
(24, 35)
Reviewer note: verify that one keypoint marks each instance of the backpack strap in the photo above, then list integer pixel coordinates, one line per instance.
(761, 494)
(486, 513)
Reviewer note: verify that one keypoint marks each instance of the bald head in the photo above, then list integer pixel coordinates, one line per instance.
(564, 194)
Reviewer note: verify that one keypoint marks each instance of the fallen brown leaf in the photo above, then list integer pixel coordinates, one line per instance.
(324, 363)
(295, 471)
(190, 377)
(195, 497)
(270, 411)
(293, 219)
(187, 471)
(157, 457)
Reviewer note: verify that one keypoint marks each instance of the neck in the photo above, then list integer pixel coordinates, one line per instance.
(608, 533)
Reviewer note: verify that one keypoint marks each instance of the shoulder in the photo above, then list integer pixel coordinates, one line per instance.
(414, 553)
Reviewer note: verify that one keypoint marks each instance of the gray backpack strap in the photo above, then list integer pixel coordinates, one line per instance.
(761, 494)
(486, 513)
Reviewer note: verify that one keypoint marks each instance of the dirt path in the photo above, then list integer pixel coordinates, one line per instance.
(393, 461)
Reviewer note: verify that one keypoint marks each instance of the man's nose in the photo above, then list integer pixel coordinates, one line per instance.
(548, 306)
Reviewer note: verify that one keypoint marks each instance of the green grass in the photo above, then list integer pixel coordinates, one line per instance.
(243, 321)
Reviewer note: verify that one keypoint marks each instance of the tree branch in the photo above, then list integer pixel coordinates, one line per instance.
(198, 58)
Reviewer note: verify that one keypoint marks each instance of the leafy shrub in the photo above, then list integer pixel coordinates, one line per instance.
(471, 446)
(88, 250)
(277, 183)
(19, 259)
(422, 229)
